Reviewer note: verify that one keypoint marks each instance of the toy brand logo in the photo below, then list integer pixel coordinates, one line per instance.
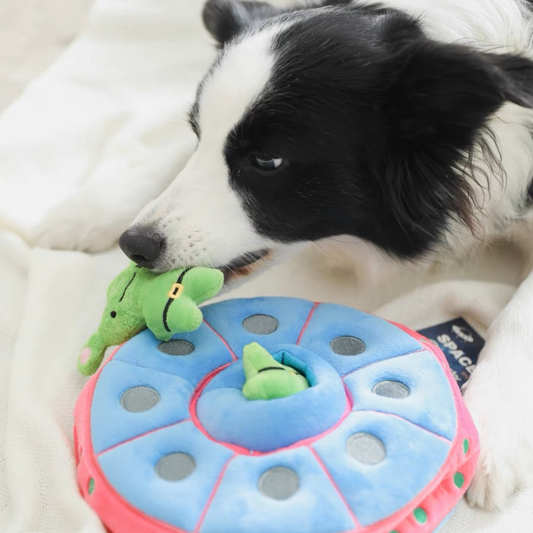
(457, 353)
(463, 333)
(460, 343)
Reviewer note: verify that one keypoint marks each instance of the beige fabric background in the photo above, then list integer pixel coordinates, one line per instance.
(32, 34)
(50, 301)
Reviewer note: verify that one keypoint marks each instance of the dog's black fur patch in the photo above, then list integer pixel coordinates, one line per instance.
(225, 19)
(375, 123)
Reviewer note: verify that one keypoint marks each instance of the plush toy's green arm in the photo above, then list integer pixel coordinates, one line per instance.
(91, 356)
(266, 379)
(202, 283)
(178, 316)
(170, 301)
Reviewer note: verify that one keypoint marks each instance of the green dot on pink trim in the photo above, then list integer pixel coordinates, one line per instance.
(90, 488)
(420, 515)
(466, 446)
(459, 480)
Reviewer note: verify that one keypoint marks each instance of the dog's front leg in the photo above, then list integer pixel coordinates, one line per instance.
(500, 398)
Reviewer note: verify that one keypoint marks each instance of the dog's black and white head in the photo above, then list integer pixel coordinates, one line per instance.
(337, 119)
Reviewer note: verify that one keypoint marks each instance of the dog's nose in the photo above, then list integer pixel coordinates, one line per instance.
(141, 247)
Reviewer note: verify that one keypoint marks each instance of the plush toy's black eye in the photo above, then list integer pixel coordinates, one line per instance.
(113, 314)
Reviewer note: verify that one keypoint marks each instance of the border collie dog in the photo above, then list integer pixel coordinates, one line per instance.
(404, 124)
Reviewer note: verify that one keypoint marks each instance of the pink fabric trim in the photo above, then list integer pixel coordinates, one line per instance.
(143, 435)
(410, 332)
(213, 494)
(311, 313)
(393, 415)
(332, 481)
(381, 361)
(233, 356)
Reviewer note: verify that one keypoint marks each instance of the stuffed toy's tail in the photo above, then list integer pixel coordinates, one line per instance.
(92, 355)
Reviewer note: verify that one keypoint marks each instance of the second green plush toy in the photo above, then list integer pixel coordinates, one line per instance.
(266, 379)
(138, 299)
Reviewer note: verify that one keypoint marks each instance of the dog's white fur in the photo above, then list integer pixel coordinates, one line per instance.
(199, 205)
(199, 209)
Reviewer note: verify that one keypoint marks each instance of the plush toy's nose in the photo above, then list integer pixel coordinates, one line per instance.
(144, 248)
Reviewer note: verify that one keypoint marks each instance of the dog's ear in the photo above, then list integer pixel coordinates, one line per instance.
(517, 78)
(225, 19)
(449, 89)
(439, 99)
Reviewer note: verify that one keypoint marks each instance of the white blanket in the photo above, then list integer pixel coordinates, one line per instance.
(125, 79)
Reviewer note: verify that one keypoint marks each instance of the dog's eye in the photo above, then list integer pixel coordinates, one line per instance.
(267, 164)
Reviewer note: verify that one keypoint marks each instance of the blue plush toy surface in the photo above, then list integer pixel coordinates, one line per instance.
(174, 436)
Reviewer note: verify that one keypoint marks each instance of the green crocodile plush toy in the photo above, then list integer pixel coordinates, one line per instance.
(266, 379)
(138, 299)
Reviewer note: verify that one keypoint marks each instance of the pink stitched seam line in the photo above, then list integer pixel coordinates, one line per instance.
(386, 413)
(142, 435)
(331, 480)
(213, 494)
(381, 361)
(313, 309)
(233, 356)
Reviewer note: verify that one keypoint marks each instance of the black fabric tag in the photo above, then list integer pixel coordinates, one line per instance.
(461, 345)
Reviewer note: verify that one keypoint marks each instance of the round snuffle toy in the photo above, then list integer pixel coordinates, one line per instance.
(379, 442)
